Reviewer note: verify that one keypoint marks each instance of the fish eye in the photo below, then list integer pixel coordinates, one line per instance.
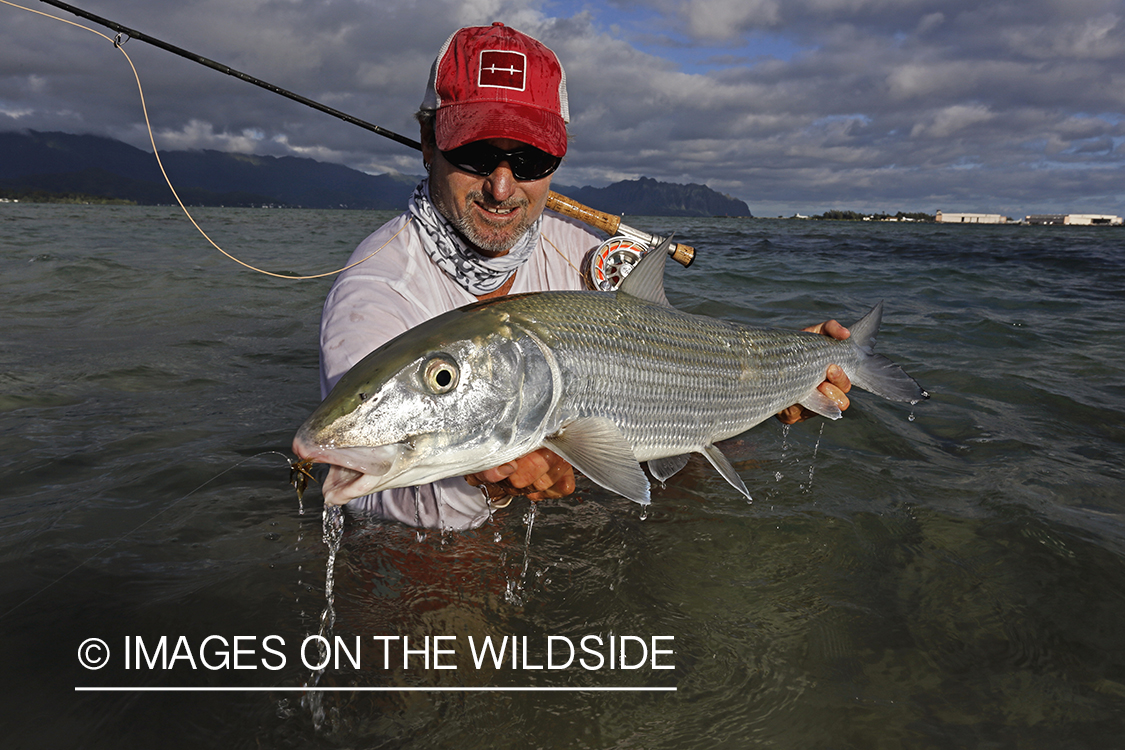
(441, 375)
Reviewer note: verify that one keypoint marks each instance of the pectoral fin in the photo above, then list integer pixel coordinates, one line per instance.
(662, 468)
(722, 465)
(596, 447)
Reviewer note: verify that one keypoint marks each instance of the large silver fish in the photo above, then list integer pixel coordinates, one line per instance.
(605, 379)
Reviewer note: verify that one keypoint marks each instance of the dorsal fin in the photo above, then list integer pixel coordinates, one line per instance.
(646, 279)
(866, 328)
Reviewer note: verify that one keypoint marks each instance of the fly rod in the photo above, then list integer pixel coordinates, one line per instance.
(682, 254)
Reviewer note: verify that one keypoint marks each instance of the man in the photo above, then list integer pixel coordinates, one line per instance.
(493, 131)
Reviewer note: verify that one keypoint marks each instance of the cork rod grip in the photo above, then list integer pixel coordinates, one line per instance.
(610, 224)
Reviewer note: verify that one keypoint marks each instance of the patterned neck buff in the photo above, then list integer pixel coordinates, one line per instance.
(477, 274)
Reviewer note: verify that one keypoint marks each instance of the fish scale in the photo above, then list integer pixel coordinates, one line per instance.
(673, 381)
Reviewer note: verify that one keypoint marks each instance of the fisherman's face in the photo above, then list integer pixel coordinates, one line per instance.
(490, 212)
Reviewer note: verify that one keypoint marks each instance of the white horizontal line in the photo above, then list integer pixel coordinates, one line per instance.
(161, 689)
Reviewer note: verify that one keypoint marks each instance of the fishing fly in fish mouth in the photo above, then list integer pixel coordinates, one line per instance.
(436, 409)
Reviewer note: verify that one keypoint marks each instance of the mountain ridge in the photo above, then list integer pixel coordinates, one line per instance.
(54, 162)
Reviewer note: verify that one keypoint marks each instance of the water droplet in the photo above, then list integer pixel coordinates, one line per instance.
(332, 520)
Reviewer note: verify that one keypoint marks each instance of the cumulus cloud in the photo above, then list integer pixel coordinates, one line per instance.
(713, 19)
(952, 120)
(1100, 38)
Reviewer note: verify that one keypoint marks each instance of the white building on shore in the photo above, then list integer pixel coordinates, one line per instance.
(1076, 220)
(1093, 220)
(944, 218)
(1079, 220)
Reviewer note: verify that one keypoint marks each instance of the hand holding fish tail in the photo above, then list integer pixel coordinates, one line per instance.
(836, 382)
(540, 475)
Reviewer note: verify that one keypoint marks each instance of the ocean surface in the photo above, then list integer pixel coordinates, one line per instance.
(948, 575)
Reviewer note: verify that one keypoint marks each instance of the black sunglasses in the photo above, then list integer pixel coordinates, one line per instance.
(481, 158)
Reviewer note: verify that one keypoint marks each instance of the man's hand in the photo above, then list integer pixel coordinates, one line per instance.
(835, 384)
(540, 475)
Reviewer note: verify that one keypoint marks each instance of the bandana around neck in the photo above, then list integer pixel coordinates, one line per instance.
(475, 273)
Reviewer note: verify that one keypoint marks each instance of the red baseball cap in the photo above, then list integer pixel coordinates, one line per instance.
(494, 82)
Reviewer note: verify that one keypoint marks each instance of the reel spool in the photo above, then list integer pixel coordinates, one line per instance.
(610, 262)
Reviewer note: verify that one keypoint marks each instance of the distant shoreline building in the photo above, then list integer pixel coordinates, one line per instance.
(944, 218)
(1074, 220)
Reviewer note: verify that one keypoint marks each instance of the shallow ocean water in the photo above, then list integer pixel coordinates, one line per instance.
(947, 575)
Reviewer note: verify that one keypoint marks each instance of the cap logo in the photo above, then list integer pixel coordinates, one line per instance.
(502, 69)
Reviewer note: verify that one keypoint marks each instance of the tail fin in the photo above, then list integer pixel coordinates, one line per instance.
(876, 373)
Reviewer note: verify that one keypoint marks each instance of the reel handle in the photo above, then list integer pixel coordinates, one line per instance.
(610, 224)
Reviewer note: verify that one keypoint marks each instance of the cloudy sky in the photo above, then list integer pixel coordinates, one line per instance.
(998, 106)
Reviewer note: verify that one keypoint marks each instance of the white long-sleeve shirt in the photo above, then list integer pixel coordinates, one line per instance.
(400, 288)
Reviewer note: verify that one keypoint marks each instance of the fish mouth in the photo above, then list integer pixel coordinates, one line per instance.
(354, 471)
(342, 485)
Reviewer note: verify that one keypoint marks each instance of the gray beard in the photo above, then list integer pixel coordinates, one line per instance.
(468, 231)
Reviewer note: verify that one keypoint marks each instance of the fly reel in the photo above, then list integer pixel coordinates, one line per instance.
(610, 262)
